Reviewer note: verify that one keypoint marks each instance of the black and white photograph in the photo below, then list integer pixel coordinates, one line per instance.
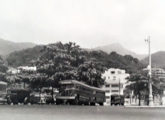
(82, 59)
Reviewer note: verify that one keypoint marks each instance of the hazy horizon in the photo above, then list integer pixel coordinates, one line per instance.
(89, 23)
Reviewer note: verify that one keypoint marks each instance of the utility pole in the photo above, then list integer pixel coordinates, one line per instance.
(119, 92)
(119, 86)
(149, 72)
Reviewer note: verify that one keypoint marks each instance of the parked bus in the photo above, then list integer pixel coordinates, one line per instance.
(77, 93)
(117, 100)
(3, 92)
(16, 96)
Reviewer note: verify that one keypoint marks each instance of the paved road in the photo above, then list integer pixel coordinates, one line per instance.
(47, 112)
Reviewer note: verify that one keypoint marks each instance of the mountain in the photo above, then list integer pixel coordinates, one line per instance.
(112, 60)
(119, 49)
(24, 57)
(158, 59)
(6, 47)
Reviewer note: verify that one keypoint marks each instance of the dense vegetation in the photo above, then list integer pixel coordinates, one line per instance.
(114, 60)
(139, 86)
(3, 69)
(24, 57)
(68, 61)
(127, 62)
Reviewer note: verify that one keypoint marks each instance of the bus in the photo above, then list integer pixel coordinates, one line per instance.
(77, 93)
(15, 96)
(3, 92)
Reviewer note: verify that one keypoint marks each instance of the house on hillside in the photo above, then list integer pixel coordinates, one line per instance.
(15, 75)
(13, 71)
(27, 68)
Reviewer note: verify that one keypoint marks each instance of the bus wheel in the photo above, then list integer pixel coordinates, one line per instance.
(8, 102)
(122, 104)
(101, 104)
(86, 103)
(58, 102)
(92, 104)
(75, 102)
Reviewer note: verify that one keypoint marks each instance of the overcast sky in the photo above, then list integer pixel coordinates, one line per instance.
(89, 23)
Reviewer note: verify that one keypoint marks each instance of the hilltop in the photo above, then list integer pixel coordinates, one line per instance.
(158, 59)
(7, 47)
(119, 49)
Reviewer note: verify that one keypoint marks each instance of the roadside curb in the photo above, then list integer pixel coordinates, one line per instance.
(144, 106)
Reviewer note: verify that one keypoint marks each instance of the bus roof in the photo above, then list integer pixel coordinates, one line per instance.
(18, 89)
(80, 83)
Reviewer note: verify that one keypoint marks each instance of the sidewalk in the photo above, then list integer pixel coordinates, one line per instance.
(144, 106)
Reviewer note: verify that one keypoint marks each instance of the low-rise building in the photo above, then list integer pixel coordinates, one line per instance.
(115, 83)
(21, 69)
(159, 73)
(12, 70)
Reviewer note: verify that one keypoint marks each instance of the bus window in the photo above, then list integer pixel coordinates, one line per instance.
(67, 86)
(76, 86)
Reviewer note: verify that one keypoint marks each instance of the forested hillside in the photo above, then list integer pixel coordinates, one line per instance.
(115, 60)
(24, 57)
(28, 56)
(158, 59)
(6, 47)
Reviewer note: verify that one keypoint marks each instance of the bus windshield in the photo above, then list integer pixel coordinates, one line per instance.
(3, 87)
(67, 89)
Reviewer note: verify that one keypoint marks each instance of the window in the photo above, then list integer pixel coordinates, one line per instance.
(119, 72)
(114, 77)
(112, 72)
(94, 92)
(107, 97)
(115, 85)
(107, 91)
(107, 85)
(115, 90)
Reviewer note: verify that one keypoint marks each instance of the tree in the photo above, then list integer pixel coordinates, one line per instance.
(90, 72)
(139, 85)
(3, 70)
(38, 81)
(68, 61)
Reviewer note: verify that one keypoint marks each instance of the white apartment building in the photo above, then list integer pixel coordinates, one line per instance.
(115, 82)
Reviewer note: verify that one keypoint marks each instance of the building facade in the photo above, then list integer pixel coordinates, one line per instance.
(115, 83)
(160, 74)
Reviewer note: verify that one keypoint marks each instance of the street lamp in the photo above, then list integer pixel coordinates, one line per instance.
(149, 72)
